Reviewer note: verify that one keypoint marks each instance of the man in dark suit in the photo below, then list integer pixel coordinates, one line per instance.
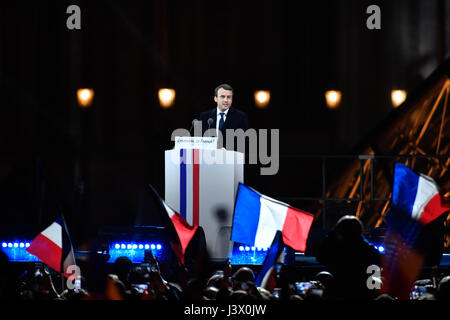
(224, 117)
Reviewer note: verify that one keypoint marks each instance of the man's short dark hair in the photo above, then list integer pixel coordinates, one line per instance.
(223, 86)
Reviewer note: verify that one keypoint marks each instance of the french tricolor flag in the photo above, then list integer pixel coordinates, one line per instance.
(179, 231)
(183, 229)
(53, 247)
(257, 218)
(417, 195)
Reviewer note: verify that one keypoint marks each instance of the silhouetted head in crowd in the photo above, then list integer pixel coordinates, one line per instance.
(7, 283)
(325, 278)
(240, 295)
(210, 293)
(242, 275)
(223, 294)
(347, 255)
(328, 282)
(349, 227)
(265, 294)
(122, 268)
(96, 274)
(384, 297)
(219, 280)
(137, 275)
(443, 291)
(194, 289)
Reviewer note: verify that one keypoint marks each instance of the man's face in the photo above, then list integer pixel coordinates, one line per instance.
(224, 99)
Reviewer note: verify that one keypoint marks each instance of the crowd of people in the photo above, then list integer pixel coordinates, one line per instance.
(344, 254)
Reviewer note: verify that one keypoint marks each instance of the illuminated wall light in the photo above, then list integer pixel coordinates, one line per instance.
(398, 97)
(166, 97)
(27, 245)
(85, 97)
(333, 98)
(22, 245)
(262, 98)
(4, 244)
(123, 246)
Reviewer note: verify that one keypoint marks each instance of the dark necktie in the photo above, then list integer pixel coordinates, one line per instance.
(222, 120)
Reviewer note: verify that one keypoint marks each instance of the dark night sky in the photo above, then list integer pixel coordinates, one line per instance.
(126, 50)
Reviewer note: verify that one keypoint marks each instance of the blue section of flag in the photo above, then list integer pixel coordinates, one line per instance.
(405, 186)
(272, 257)
(66, 241)
(400, 223)
(183, 183)
(246, 215)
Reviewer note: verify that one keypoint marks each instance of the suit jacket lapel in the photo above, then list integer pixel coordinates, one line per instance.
(213, 115)
(229, 118)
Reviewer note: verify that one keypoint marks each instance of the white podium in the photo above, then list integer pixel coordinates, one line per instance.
(201, 184)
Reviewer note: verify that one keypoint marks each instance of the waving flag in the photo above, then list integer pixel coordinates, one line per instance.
(401, 263)
(275, 256)
(257, 218)
(415, 203)
(179, 231)
(417, 195)
(53, 247)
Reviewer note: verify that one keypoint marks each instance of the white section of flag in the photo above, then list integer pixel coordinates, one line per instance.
(271, 218)
(53, 232)
(168, 209)
(426, 190)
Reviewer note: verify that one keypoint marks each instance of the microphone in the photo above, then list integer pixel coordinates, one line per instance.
(210, 121)
(192, 125)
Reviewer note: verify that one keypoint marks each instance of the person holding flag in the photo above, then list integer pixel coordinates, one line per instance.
(347, 255)
(178, 231)
(261, 221)
(54, 248)
(418, 209)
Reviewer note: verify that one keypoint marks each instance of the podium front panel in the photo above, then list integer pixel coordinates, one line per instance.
(201, 185)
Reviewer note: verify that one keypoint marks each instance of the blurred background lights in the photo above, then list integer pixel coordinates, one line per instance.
(333, 98)
(262, 98)
(166, 97)
(85, 97)
(398, 97)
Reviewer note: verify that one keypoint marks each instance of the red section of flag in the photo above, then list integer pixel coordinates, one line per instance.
(47, 251)
(401, 267)
(433, 209)
(184, 231)
(296, 228)
(195, 187)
